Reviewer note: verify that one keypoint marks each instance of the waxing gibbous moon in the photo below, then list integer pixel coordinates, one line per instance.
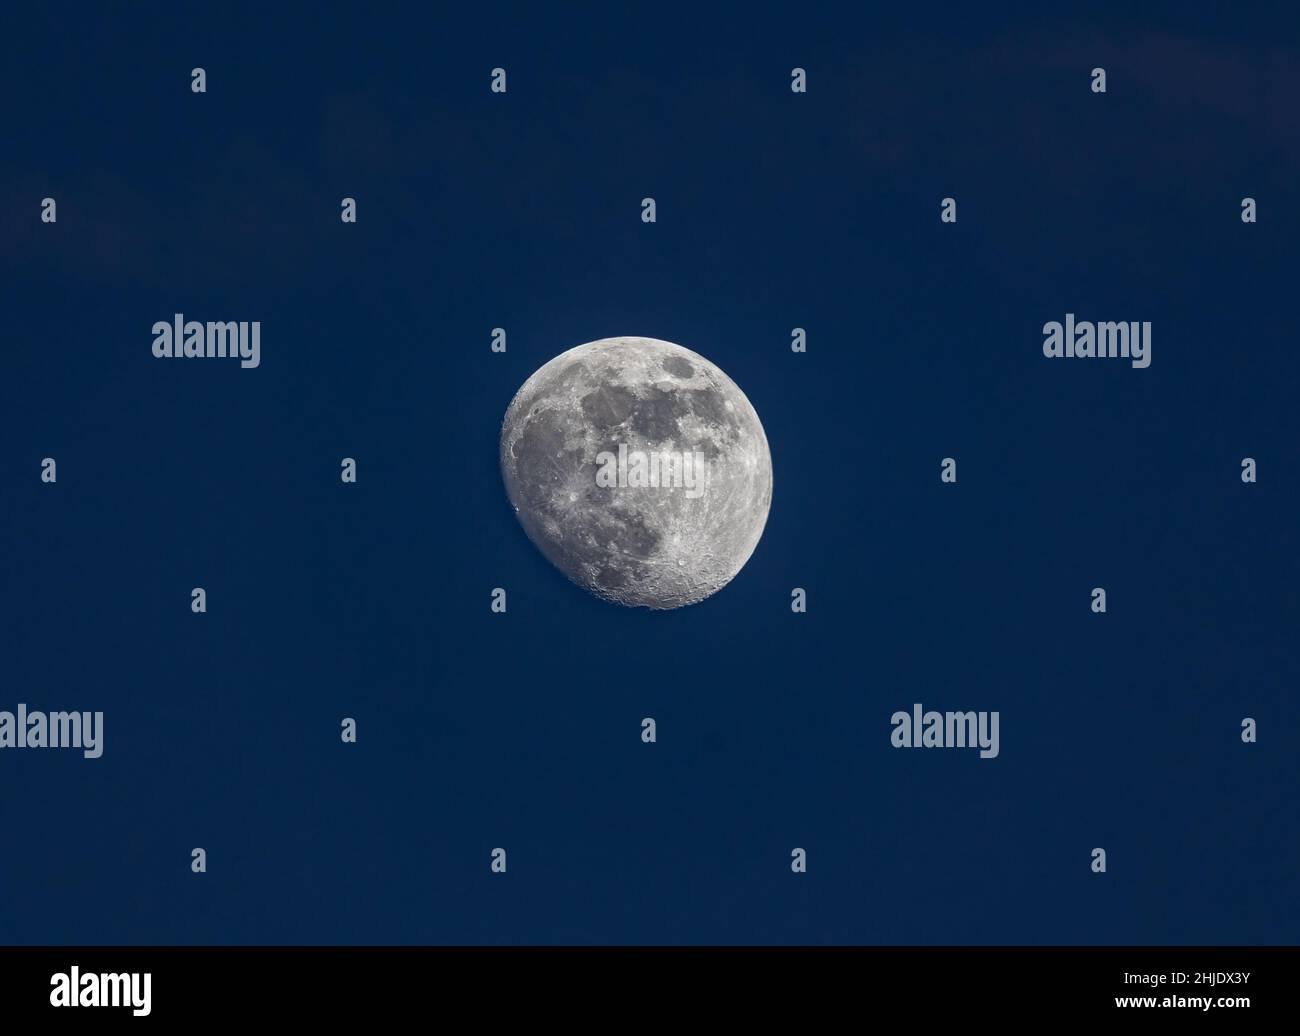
(639, 469)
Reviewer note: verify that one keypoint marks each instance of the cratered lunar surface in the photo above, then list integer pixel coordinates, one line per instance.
(639, 469)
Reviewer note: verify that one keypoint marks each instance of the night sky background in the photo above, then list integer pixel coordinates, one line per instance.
(775, 211)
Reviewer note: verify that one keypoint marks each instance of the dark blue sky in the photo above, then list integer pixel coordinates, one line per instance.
(774, 211)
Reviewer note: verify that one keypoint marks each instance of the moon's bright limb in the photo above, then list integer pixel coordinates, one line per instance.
(639, 469)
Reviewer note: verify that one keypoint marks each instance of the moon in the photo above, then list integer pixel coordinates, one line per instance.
(639, 469)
